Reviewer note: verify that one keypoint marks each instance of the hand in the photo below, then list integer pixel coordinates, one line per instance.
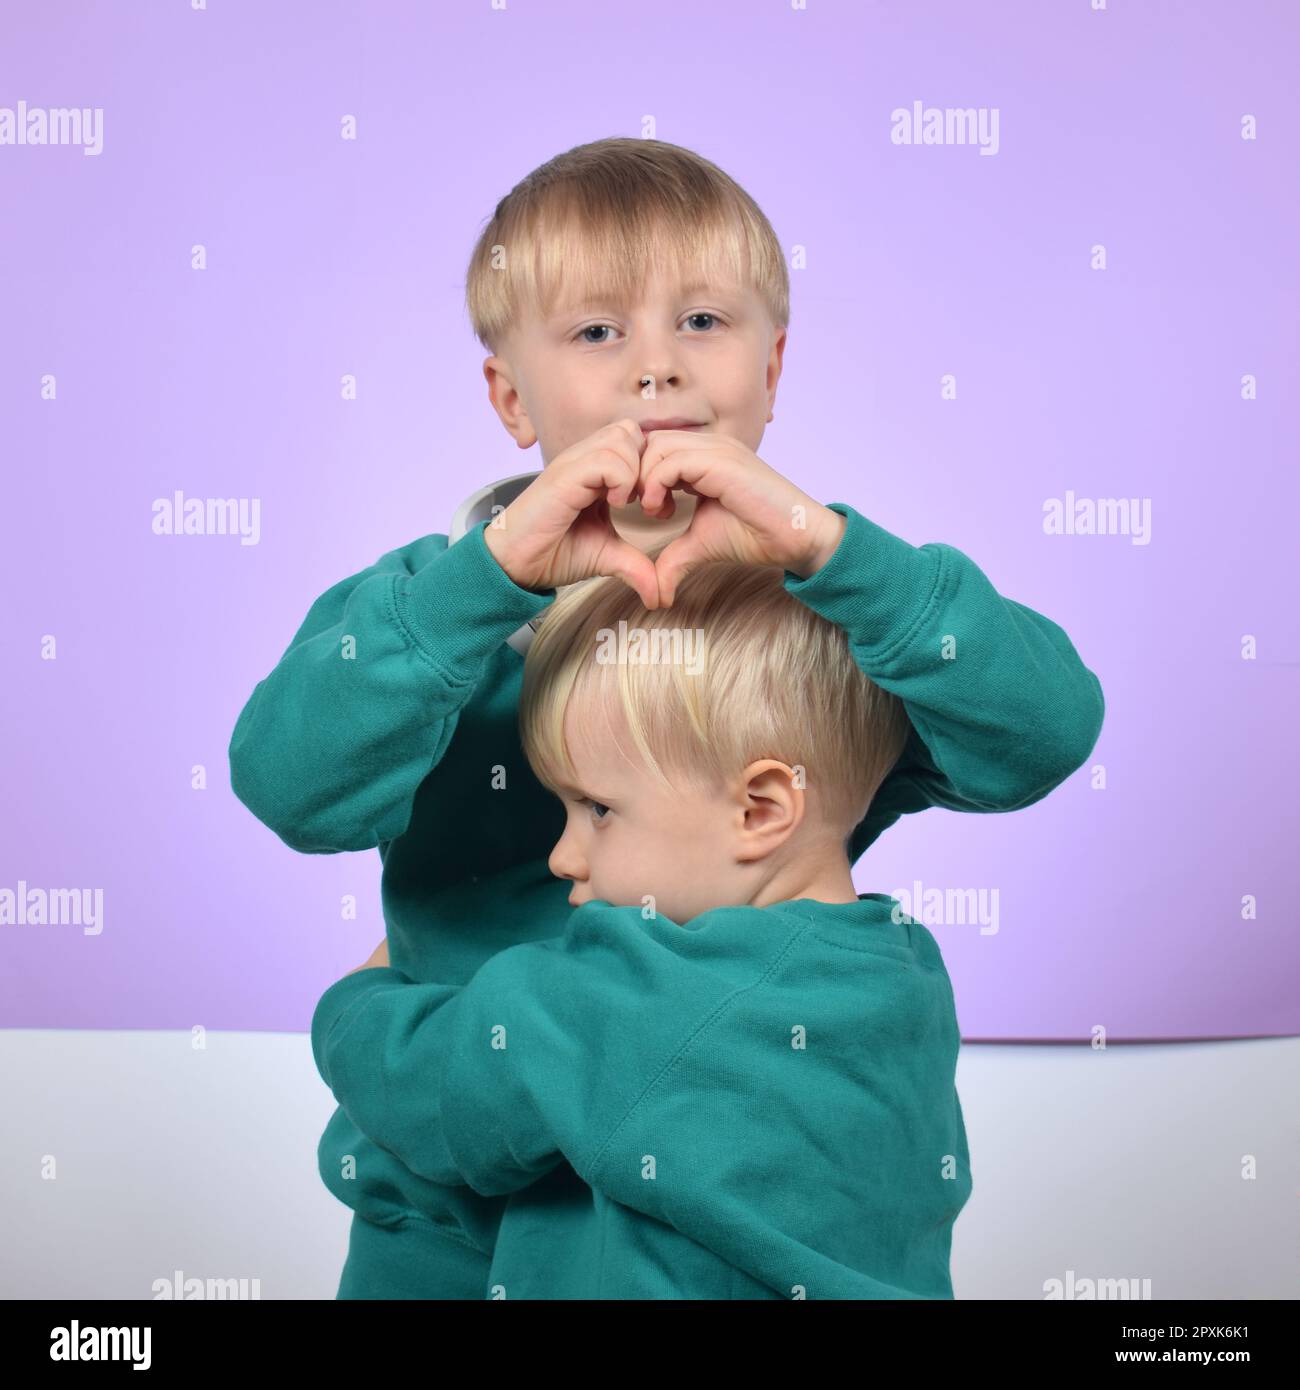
(558, 531)
(379, 957)
(746, 510)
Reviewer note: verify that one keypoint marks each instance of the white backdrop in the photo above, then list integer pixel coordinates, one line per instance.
(1125, 1164)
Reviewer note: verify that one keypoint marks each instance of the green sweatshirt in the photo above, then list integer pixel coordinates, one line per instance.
(391, 722)
(760, 1102)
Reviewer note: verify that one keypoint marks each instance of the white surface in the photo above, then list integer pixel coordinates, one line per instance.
(1118, 1164)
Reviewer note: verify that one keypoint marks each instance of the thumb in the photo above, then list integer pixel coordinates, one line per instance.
(634, 567)
(673, 562)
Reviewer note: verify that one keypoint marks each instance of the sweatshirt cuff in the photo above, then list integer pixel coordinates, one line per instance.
(876, 586)
(337, 1000)
(462, 605)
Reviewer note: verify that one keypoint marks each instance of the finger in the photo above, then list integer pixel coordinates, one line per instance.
(608, 472)
(633, 431)
(628, 432)
(628, 441)
(678, 458)
(623, 494)
(607, 464)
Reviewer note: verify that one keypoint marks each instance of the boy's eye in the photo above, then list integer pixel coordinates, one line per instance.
(594, 805)
(606, 328)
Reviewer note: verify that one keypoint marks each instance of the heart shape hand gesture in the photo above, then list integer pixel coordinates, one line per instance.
(558, 530)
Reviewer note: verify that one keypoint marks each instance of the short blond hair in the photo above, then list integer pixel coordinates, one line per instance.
(777, 680)
(598, 218)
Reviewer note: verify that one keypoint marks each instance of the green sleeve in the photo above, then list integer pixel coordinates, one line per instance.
(331, 747)
(534, 1061)
(1001, 706)
(382, 1044)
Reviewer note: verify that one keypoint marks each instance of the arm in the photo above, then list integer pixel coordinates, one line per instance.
(998, 725)
(331, 747)
(535, 1060)
(382, 1044)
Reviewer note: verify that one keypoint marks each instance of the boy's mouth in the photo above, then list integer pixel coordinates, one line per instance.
(673, 424)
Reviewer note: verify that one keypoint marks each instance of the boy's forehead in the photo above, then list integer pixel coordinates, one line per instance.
(600, 753)
(681, 284)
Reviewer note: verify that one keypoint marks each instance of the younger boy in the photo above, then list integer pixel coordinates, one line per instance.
(748, 1066)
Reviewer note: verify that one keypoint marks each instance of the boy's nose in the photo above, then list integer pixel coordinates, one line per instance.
(565, 861)
(660, 368)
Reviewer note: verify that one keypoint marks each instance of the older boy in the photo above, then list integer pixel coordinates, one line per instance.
(412, 744)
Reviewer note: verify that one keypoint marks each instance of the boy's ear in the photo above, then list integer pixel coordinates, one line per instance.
(507, 402)
(771, 805)
(774, 362)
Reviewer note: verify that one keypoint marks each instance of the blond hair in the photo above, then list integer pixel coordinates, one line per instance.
(777, 680)
(598, 218)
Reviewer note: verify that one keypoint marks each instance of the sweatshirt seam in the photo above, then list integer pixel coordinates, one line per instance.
(931, 603)
(912, 961)
(714, 1015)
(412, 641)
(907, 956)
(342, 1006)
(942, 566)
(410, 1218)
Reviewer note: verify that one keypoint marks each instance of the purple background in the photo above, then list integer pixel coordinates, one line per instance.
(1117, 907)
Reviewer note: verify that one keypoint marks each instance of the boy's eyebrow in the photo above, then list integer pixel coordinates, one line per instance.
(561, 788)
(596, 300)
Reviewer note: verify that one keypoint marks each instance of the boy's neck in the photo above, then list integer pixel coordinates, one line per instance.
(830, 887)
(816, 870)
